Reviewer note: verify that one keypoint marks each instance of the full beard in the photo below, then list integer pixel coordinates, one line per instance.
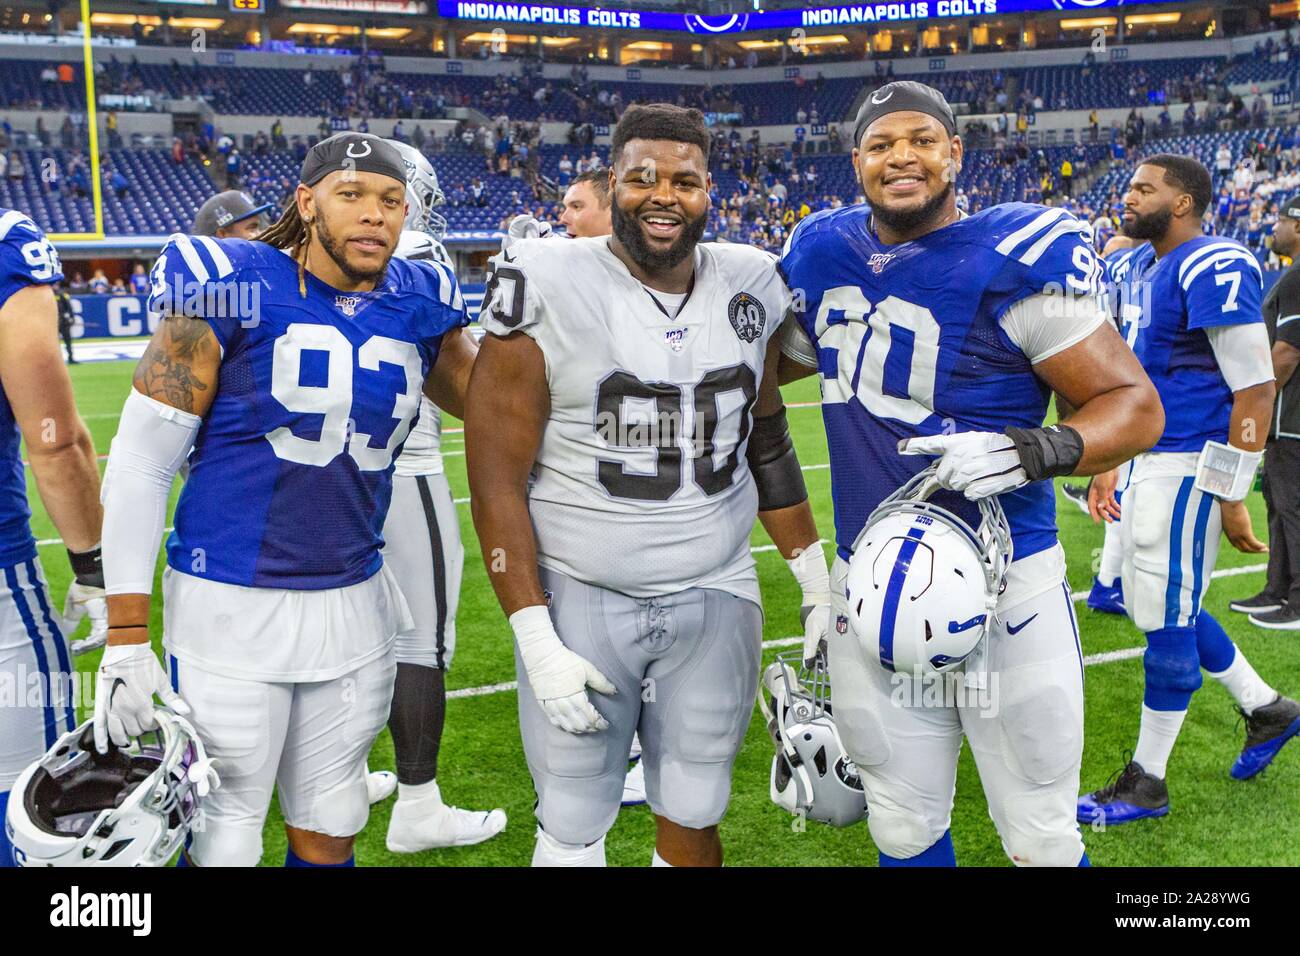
(1153, 225)
(339, 255)
(628, 230)
(907, 221)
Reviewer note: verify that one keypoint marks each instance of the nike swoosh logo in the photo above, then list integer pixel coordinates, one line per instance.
(506, 256)
(1017, 628)
(117, 682)
(878, 99)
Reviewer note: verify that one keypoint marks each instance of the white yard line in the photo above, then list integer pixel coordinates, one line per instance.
(1106, 657)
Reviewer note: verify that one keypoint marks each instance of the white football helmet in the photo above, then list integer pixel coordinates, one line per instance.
(811, 773)
(922, 584)
(423, 194)
(421, 245)
(134, 807)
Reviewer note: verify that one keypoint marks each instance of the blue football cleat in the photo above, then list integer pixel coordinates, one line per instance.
(1267, 730)
(1134, 795)
(1107, 600)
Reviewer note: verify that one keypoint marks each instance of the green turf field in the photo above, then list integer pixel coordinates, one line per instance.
(1215, 821)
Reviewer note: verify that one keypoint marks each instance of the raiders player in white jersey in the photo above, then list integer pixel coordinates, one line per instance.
(422, 546)
(626, 374)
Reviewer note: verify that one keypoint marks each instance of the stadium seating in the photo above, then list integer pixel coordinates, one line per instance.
(282, 92)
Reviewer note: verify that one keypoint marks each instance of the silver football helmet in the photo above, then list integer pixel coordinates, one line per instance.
(128, 807)
(423, 194)
(811, 773)
(416, 245)
(922, 583)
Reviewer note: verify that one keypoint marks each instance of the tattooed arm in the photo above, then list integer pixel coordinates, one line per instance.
(180, 366)
(178, 371)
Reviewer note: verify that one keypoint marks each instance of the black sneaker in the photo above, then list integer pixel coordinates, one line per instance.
(1261, 603)
(1134, 795)
(1076, 494)
(1285, 618)
(1267, 729)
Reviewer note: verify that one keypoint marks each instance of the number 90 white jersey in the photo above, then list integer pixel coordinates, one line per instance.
(641, 483)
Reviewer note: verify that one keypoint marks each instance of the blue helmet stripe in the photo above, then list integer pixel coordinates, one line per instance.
(894, 591)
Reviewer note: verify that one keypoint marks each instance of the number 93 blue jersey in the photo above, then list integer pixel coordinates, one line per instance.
(909, 343)
(291, 473)
(26, 258)
(1164, 308)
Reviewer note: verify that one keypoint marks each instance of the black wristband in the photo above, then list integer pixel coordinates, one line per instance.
(1047, 452)
(88, 566)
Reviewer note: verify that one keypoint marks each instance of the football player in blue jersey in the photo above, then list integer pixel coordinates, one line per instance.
(1189, 305)
(37, 407)
(945, 334)
(288, 372)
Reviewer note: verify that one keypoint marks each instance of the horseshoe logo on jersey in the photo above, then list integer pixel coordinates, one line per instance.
(747, 316)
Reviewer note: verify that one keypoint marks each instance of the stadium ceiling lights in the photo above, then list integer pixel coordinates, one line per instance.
(1087, 23)
(835, 39)
(518, 38)
(1143, 19)
(130, 19)
(326, 29)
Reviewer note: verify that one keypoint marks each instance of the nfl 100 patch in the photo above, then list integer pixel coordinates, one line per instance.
(747, 316)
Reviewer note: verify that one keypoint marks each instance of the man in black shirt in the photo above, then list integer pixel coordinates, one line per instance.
(1278, 605)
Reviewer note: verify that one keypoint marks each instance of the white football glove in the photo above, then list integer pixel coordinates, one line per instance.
(978, 464)
(525, 226)
(129, 676)
(811, 571)
(559, 677)
(84, 600)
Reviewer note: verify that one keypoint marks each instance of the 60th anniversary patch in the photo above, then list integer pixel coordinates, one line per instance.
(747, 316)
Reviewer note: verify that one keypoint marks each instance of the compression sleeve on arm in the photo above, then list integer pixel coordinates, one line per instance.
(1243, 353)
(152, 442)
(1047, 323)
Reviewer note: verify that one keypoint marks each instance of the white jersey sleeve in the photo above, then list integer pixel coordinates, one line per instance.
(511, 303)
(1045, 324)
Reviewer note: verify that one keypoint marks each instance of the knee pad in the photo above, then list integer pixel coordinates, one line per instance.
(1173, 668)
(579, 812)
(901, 832)
(1040, 723)
(1039, 829)
(694, 796)
(340, 812)
(224, 844)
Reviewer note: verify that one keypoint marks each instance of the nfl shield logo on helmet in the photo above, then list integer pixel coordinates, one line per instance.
(841, 624)
(347, 304)
(879, 260)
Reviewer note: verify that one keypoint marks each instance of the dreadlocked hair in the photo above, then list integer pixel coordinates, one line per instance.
(291, 233)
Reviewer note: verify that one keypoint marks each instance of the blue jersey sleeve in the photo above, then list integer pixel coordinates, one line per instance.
(199, 277)
(440, 284)
(1048, 250)
(799, 258)
(1222, 285)
(27, 257)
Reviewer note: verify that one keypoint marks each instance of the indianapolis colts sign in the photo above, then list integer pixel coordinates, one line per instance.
(812, 16)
